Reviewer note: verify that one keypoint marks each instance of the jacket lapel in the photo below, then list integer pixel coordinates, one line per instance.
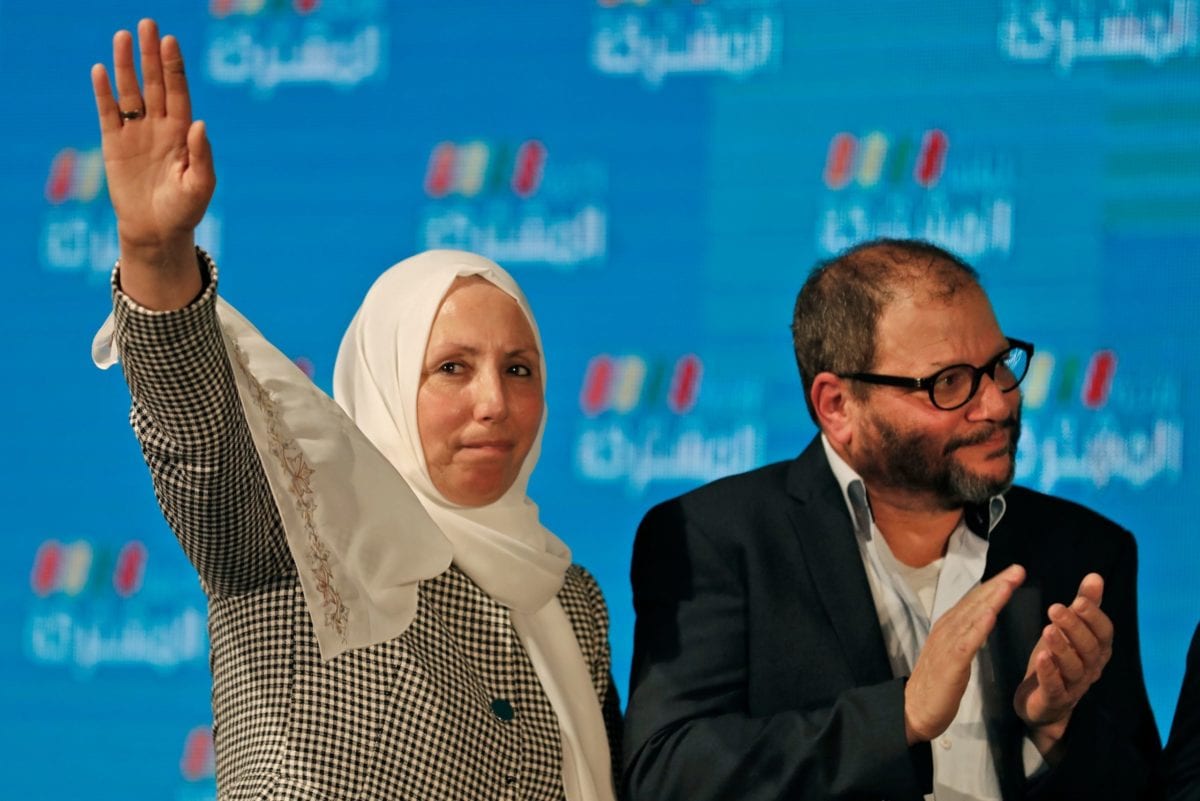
(1018, 627)
(822, 526)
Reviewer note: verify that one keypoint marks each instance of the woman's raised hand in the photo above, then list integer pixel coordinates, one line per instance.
(159, 168)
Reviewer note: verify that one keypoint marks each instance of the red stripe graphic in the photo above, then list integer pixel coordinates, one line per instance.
(439, 176)
(597, 383)
(527, 169)
(685, 384)
(130, 569)
(198, 761)
(932, 159)
(46, 565)
(1098, 381)
(62, 171)
(839, 161)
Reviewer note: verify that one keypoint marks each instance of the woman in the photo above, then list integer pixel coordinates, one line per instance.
(388, 617)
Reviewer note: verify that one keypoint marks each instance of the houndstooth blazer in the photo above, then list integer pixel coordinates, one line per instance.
(407, 719)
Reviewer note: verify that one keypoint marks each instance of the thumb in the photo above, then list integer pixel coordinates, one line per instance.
(200, 153)
(1092, 588)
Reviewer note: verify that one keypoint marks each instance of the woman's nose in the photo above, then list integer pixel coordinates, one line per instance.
(489, 398)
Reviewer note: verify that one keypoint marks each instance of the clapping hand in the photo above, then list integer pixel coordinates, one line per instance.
(1068, 659)
(935, 689)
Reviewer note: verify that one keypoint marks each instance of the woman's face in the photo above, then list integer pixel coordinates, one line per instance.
(479, 403)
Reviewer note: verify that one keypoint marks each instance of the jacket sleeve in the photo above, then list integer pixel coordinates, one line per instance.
(1181, 760)
(188, 418)
(690, 732)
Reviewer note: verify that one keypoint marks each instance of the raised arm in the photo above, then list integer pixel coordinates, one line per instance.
(159, 168)
(186, 410)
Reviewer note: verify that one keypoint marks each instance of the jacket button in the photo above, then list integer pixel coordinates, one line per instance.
(503, 710)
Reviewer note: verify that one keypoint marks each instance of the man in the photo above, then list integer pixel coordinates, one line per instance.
(784, 645)
(1181, 758)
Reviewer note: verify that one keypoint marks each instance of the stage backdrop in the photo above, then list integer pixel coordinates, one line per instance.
(659, 176)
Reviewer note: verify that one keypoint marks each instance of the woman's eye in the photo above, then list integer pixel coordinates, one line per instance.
(520, 370)
(451, 368)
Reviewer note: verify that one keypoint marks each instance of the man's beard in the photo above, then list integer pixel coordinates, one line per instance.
(914, 461)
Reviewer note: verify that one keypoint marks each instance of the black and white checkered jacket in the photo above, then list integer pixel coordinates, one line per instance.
(406, 719)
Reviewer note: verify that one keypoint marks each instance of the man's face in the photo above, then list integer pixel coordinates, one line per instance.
(902, 441)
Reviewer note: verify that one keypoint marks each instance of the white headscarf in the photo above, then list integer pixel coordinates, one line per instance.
(501, 546)
(340, 495)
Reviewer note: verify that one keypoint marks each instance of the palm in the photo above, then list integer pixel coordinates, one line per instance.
(154, 193)
(160, 175)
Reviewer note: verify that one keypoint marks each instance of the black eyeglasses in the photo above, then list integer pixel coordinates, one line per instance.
(954, 386)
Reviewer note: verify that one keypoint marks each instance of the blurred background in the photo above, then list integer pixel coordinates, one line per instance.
(659, 175)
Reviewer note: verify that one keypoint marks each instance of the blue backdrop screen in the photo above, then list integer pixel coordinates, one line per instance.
(659, 176)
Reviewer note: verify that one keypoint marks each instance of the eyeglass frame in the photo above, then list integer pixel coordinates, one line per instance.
(929, 382)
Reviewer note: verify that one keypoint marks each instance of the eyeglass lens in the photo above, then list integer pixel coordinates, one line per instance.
(955, 385)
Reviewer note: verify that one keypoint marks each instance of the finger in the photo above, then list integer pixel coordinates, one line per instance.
(972, 618)
(1100, 632)
(1069, 661)
(1092, 650)
(1050, 680)
(994, 593)
(1092, 588)
(152, 73)
(179, 103)
(106, 104)
(200, 163)
(1072, 626)
(129, 96)
(1094, 618)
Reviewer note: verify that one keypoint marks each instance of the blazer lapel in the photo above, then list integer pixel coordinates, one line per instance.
(826, 536)
(1018, 628)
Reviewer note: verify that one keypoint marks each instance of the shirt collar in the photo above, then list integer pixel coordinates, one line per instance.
(980, 518)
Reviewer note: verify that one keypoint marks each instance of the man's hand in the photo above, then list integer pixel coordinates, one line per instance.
(1067, 660)
(939, 679)
(159, 167)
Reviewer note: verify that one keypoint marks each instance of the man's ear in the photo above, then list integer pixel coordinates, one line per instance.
(835, 407)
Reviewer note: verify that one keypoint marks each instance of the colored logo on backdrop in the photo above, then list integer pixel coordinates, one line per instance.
(79, 232)
(264, 45)
(91, 607)
(1090, 382)
(75, 176)
(915, 186)
(70, 568)
(876, 157)
(1066, 33)
(624, 383)
(654, 40)
(198, 761)
(469, 168)
(251, 8)
(641, 425)
(514, 205)
(1088, 423)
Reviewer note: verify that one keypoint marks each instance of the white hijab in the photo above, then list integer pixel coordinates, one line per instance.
(339, 497)
(502, 547)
